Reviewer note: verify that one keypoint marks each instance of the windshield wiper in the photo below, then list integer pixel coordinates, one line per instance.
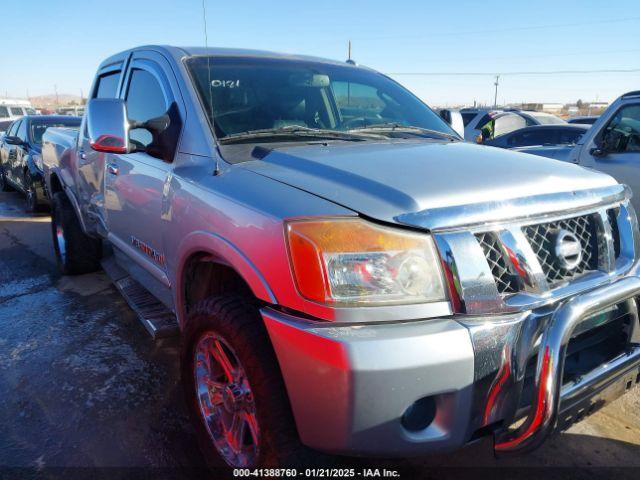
(397, 127)
(295, 131)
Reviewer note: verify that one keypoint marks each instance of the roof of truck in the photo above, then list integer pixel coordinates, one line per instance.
(180, 52)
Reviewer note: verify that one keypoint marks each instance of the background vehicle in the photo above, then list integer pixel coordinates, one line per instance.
(345, 272)
(11, 109)
(560, 140)
(493, 125)
(20, 156)
(541, 139)
(583, 120)
(71, 111)
(612, 144)
(473, 120)
(454, 118)
(538, 118)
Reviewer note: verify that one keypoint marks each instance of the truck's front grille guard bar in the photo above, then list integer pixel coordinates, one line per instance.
(541, 417)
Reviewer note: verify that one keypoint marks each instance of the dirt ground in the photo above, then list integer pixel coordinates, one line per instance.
(84, 387)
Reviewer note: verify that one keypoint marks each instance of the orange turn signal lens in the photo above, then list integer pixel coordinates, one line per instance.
(355, 262)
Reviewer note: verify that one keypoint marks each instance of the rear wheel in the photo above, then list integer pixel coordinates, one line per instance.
(76, 252)
(31, 196)
(234, 388)
(4, 186)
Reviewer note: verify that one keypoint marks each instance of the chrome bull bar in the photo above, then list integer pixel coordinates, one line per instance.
(548, 392)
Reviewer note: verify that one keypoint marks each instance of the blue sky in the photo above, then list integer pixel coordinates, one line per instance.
(61, 42)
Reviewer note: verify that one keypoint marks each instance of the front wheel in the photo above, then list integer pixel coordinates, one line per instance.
(234, 388)
(76, 252)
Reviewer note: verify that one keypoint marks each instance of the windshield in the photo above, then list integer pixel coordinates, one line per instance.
(248, 94)
(38, 127)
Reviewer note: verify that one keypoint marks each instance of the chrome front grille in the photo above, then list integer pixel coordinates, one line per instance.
(518, 255)
(514, 271)
(542, 239)
(505, 280)
(612, 216)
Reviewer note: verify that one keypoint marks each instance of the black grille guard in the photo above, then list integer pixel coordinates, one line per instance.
(548, 392)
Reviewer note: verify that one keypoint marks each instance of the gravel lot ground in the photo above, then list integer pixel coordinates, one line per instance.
(83, 385)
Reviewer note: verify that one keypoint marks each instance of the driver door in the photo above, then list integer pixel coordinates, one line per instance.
(135, 182)
(621, 158)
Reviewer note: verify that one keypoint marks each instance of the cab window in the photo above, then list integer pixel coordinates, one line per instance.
(4, 112)
(16, 111)
(13, 128)
(145, 100)
(622, 134)
(107, 85)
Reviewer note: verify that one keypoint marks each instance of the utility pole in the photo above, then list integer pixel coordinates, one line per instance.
(495, 98)
(55, 89)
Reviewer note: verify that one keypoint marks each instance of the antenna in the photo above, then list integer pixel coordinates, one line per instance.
(349, 59)
(495, 98)
(216, 170)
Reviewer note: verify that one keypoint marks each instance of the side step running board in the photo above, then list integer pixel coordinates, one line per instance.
(159, 321)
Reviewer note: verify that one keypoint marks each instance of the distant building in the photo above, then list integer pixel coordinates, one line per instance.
(601, 105)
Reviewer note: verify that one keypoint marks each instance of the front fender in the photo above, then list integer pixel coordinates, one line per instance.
(224, 251)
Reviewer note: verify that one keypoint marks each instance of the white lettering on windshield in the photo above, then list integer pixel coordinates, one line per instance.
(225, 83)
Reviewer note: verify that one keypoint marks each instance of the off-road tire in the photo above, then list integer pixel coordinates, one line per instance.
(81, 253)
(4, 184)
(237, 320)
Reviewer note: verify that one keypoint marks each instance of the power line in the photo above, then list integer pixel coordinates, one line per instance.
(460, 32)
(541, 55)
(493, 74)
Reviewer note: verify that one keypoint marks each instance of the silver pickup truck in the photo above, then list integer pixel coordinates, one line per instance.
(346, 274)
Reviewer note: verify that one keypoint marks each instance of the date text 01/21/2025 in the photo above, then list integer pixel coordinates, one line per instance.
(317, 472)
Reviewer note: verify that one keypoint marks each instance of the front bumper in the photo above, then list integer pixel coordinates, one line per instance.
(350, 385)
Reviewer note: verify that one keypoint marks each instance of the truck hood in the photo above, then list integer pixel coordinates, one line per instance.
(386, 181)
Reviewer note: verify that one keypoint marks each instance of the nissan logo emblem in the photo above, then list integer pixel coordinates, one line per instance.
(568, 250)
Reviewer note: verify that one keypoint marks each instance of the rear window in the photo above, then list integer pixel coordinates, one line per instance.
(39, 127)
(4, 112)
(547, 119)
(17, 111)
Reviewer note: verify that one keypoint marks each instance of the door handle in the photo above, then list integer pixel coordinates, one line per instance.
(113, 169)
(82, 155)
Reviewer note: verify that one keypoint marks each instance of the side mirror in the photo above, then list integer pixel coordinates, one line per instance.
(597, 152)
(12, 140)
(107, 125)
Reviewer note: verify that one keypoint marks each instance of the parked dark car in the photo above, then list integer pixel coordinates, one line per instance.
(590, 120)
(20, 156)
(539, 135)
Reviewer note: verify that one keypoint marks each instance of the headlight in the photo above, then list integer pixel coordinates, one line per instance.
(354, 262)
